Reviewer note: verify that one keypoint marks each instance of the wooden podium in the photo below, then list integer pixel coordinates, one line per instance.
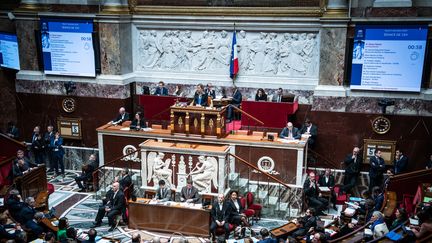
(197, 121)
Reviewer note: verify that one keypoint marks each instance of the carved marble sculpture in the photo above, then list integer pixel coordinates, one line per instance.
(204, 173)
(159, 169)
(289, 54)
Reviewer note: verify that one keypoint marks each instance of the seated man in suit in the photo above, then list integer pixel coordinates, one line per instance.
(219, 217)
(305, 223)
(27, 216)
(265, 236)
(14, 204)
(290, 132)
(200, 97)
(4, 234)
(189, 193)
(278, 96)
(161, 90)
(378, 197)
(114, 207)
(122, 117)
(310, 189)
(21, 167)
(87, 173)
(328, 180)
(163, 194)
(309, 129)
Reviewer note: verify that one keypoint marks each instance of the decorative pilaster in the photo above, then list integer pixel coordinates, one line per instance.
(116, 7)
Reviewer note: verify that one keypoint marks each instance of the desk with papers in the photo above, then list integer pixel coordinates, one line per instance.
(188, 219)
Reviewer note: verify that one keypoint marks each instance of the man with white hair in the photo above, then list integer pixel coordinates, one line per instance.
(113, 207)
(290, 132)
(219, 214)
(122, 117)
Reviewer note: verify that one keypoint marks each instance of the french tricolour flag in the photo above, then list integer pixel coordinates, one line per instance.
(234, 66)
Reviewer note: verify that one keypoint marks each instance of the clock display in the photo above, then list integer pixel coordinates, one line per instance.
(69, 105)
(381, 125)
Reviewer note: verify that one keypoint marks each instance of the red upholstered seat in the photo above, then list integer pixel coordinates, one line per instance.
(251, 205)
(341, 198)
(220, 229)
(408, 203)
(248, 212)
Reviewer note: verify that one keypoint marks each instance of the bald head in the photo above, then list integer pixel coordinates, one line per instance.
(290, 125)
(116, 186)
(122, 110)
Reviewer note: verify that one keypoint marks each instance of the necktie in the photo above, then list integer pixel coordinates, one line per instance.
(290, 134)
(279, 98)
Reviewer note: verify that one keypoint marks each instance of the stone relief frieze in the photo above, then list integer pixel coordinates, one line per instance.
(288, 54)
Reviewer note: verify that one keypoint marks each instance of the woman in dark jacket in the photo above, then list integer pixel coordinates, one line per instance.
(235, 210)
(138, 123)
(260, 95)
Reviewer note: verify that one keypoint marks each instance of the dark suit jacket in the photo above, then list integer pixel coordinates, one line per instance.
(262, 97)
(232, 209)
(308, 222)
(313, 131)
(57, 146)
(134, 123)
(119, 120)
(330, 183)
(14, 207)
(237, 98)
(18, 171)
(310, 191)
(161, 91)
(27, 213)
(400, 164)
(211, 93)
(295, 133)
(117, 202)
(163, 194)
(377, 167)
(192, 195)
(126, 181)
(47, 139)
(352, 168)
(5, 234)
(217, 214)
(379, 200)
(203, 99)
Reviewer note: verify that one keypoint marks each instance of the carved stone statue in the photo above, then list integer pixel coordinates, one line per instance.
(159, 170)
(204, 173)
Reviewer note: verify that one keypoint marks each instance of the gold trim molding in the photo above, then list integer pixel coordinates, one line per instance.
(117, 9)
(336, 13)
(231, 11)
(29, 7)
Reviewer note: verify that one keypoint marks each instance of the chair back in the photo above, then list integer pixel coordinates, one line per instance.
(249, 198)
(243, 202)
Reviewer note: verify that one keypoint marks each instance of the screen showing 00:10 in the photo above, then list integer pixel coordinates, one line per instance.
(388, 58)
(67, 48)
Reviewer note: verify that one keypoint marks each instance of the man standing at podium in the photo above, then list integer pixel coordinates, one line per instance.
(200, 97)
(236, 101)
(189, 193)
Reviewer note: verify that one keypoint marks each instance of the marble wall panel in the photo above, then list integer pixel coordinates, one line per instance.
(27, 43)
(7, 97)
(109, 38)
(55, 87)
(369, 105)
(332, 56)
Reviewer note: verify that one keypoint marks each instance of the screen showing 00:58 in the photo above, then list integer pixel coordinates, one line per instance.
(9, 56)
(388, 58)
(67, 47)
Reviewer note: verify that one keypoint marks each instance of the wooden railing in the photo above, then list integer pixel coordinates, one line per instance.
(407, 183)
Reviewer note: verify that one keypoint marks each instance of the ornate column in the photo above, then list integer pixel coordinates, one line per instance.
(332, 49)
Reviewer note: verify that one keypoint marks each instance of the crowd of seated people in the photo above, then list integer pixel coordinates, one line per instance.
(25, 217)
